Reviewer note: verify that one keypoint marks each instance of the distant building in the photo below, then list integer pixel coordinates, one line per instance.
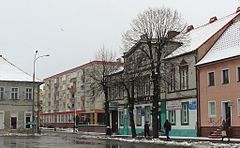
(219, 83)
(73, 93)
(16, 93)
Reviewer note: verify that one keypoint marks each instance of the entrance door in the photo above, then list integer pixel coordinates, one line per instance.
(1, 120)
(13, 122)
(114, 121)
(226, 112)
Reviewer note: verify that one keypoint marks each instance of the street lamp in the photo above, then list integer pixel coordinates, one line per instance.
(33, 105)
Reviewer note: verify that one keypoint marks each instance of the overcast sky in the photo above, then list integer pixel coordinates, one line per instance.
(71, 31)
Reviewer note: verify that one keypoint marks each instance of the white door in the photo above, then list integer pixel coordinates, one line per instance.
(1, 120)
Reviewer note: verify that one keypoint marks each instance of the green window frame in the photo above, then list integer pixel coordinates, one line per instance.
(147, 114)
(139, 116)
(185, 113)
(172, 117)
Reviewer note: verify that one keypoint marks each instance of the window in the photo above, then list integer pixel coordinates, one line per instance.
(185, 113)
(139, 62)
(172, 80)
(238, 74)
(27, 119)
(183, 77)
(1, 92)
(147, 113)
(140, 89)
(139, 116)
(14, 93)
(211, 108)
(121, 118)
(28, 93)
(238, 104)
(13, 120)
(147, 87)
(211, 79)
(225, 76)
(172, 116)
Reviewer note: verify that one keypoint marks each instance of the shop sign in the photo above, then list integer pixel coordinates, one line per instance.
(174, 105)
(193, 105)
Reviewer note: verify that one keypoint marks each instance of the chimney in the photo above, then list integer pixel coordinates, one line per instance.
(213, 19)
(238, 9)
(119, 60)
(172, 34)
(189, 28)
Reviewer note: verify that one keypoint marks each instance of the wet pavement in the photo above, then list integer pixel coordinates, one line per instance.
(68, 141)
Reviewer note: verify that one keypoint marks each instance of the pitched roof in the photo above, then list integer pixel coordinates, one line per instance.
(200, 35)
(10, 72)
(227, 46)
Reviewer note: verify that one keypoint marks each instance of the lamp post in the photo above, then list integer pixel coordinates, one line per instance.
(33, 105)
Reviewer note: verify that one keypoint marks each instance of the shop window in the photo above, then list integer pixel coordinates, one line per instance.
(147, 114)
(172, 116)
(121, 118)
(139, 116)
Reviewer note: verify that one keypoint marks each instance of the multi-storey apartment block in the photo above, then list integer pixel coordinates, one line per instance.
(16, 94)
(73, 93)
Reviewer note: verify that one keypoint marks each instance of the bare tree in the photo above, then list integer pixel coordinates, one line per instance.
(158, 29)
(106, 64)
(130, 81)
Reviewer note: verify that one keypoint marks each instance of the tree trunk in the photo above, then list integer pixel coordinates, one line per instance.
(131, 108)
(107, 115)
(155, 116)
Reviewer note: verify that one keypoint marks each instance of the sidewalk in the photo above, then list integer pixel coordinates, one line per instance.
(176, 138)
(163, 138)
(199, 142)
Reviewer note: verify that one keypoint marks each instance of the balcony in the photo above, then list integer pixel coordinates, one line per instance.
(72, 100)
(82, 97)
(56, 101)
(56, 85)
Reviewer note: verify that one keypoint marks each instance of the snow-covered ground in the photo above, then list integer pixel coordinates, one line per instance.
(197, 142)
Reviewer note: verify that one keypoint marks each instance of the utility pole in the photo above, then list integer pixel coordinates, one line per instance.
(33, 101)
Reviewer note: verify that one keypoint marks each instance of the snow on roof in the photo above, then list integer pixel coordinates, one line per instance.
(201, 34)
(118, 70)
(10, 72)
(227, 46)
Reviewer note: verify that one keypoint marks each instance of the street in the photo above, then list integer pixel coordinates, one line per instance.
(67, 141)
